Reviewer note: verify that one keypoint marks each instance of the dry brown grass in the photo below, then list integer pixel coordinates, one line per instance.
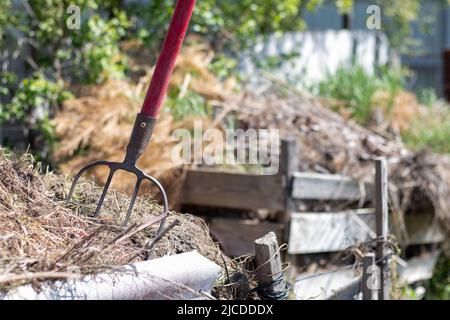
(399, 111)
(97, 125)
(41, 237)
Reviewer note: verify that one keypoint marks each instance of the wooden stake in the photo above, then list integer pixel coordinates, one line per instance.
(269, 272)
(287, 166)
(381, 211)
(368, 283)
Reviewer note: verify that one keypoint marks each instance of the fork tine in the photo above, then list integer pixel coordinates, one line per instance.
(105, 190)
(133, 199)
(165, 201)
(79, 174)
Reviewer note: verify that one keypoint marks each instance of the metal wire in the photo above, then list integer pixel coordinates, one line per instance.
(271, 294)
(352, 266)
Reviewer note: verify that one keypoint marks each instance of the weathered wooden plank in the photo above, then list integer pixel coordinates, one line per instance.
(313, 186)
(237, 236)
(418, 268)
(318, 286)
(334, 231)
(423, 228)
(233, 190)
(348, 292)
(327, 232)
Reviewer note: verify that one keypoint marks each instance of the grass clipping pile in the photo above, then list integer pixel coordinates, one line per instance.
(41, 238)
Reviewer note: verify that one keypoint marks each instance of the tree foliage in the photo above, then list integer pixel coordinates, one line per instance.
(237, 23)
(224, 23)
(90, 54)
(37, 32)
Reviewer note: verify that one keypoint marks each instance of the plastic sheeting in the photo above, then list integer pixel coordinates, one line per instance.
(179, 276)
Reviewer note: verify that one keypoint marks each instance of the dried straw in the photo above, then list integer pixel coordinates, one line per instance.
(42, 238)
(98, 124)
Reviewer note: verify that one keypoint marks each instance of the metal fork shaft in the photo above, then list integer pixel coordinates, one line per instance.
(140, 137)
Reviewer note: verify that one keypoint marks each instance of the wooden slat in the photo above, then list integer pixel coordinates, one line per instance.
(423, 228)
(418, 268)
(348, 292)
(334, 231)
(318, 286)
(237, 236)
(328, 232)
(313, 186)
(233, 190)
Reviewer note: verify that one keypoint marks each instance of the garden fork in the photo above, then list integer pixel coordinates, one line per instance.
(145, 120)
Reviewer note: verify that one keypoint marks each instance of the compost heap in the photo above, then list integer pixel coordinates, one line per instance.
(329, 142)
(42, 238)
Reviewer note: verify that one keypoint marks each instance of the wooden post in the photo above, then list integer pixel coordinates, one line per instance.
(269, 272)
(368, 283)
(381, 211)
(288, 164)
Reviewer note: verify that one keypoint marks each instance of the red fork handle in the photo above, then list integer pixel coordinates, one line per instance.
(166, 61)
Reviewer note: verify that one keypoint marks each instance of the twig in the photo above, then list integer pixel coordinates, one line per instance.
(152, 243)
(206, 294)
(29, 276)
(226, 109)
(141, 227)
(301, 93)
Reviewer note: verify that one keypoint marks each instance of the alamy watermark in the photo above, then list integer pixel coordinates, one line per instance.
(373, 21)
(373, 281)
(73, 21)
(227, 147)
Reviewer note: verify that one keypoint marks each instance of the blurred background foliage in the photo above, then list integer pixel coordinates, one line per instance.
(358, 97)
(357, 87)
(231, 25)
(438, 287)
(59, 58)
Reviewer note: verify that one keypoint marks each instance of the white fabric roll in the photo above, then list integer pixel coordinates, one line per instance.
(179, 276)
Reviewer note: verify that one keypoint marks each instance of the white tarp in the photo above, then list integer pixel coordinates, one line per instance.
(179, 276)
